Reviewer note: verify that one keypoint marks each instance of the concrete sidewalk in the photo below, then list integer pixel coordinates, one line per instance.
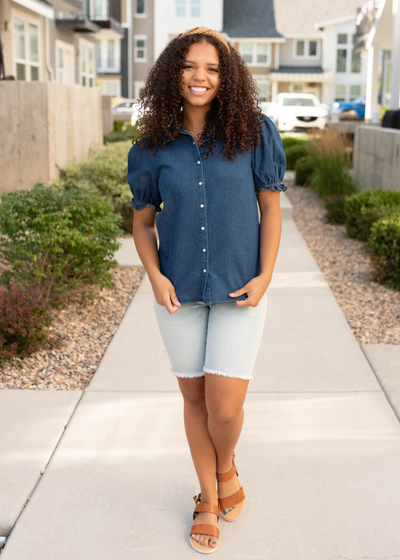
(318, 457)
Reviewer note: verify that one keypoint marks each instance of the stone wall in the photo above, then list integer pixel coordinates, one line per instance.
(376, 157)
(45, 126)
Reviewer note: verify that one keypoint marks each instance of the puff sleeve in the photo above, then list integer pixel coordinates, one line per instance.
(141, 180)
(269, 160)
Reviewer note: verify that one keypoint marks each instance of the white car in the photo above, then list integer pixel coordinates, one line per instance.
(302, 110)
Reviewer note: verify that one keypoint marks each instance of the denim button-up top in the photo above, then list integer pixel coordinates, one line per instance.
(208, 227)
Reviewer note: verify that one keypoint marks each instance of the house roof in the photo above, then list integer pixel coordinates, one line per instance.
(293, 17)
(249, 18)
(298, 69)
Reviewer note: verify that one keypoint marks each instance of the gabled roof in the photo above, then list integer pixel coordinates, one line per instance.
(296, 17)
(250, 18)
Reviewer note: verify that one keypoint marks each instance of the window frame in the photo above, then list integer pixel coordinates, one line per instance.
(140, 38)
(182, 5)
(140, 15)
(306, 55)
(27, 20)
(64, 46)
(254, 55)
(195, 4)
(90, 47)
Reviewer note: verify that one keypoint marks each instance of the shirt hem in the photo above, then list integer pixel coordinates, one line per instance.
(211, 302)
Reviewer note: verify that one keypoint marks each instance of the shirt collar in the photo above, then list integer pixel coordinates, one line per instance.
(183, 131)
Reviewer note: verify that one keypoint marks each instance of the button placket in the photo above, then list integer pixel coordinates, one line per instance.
(203, 247)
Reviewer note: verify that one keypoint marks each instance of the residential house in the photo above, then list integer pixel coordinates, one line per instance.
(172, 17)
(308, 46)
(55, 41)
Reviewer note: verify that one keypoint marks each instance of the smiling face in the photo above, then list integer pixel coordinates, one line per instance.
(201, 75)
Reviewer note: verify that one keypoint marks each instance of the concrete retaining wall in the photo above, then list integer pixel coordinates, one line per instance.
(376, 157)
(45, 126)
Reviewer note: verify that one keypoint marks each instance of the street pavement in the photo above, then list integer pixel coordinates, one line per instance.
(106, 473)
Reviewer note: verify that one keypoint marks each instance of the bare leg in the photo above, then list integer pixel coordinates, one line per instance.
(201, 448)
(225, 397)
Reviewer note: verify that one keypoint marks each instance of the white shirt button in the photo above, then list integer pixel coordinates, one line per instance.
(204, 250)
(204, 270)
(202, 227)
(200, 183)
(199, 162)
(201, 205)
(194, 142)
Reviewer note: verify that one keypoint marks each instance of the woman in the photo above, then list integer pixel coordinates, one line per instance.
(208, 154)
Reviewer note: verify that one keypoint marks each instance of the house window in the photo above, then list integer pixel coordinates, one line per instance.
(297, 88)
(340, 92)
(262, 53)
(342, 38)
(247, 52)
(98, 55)
(355, 62)
(140, 54)
(180, 8)
(140, 8)
(263, 90)
(255, 54)
(341, 56)
(305, 49)
(110, 53)
(110, 87)
(26, 49)
(86, 64)
(60, 66)
(300, 48)
(100, 8)
(355, 91)
(312, 48)
(64, 62)
(195, 8)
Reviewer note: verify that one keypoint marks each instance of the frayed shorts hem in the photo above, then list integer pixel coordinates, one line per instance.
(179, 374)
(224, 374)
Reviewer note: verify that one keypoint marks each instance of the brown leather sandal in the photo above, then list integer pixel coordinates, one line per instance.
(204, 528)
(237, 499)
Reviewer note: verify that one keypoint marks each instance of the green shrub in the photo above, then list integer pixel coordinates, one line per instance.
(57, 241)
(289, 141)
(366, 207)
(334, 205)
(122, 131)
(118, 125)
(24, 318)
(104, 173)
(331, 155)
(385, 244)
(295, 152)
(304, 169)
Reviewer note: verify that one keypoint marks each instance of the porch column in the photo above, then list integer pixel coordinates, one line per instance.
(372, 81)
(394, 102)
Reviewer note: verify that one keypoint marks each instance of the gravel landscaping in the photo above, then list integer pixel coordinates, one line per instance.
(80, 334)
(371, 309)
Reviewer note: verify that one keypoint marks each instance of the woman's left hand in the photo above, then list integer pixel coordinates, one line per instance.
(255, 290)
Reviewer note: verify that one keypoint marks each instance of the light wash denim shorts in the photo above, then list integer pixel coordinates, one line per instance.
(219, 338)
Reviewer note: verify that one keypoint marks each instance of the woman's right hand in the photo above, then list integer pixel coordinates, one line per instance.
(164, 293)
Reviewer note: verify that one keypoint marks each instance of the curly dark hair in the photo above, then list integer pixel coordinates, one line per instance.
(235, 114)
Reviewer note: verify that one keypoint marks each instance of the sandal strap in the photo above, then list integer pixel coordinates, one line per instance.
(224, 477)
(208, 508)
(205, 529)
(232, 500)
